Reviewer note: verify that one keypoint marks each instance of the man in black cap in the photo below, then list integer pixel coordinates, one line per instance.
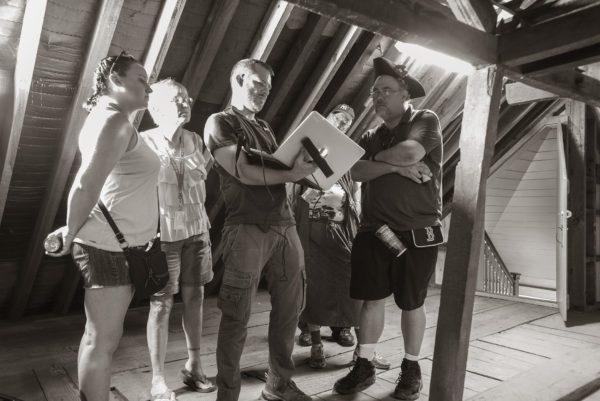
(401, 175)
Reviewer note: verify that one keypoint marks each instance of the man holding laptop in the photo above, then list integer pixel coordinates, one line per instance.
(408, 209)
(259, 236)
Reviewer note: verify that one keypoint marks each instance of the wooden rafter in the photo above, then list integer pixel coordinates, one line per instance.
(208, 44)
(161, 40)
(476, 13)
(153, 60)
(562, 62)
(33, 20)
(293, 64)
(478, 134)
(537, 42)
(322, 75)
(571, 84)
(106, 23)
(407, 22)
(517, 93)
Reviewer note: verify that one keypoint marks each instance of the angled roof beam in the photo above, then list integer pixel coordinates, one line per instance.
(322, 75)
(208, 44)
(561, 35)
(571, 84)
(518, 93)
(479, 14)
(106, 23)
(410, 22)
(294, 62)
(561, 62)
(161, 40)
(33, 21)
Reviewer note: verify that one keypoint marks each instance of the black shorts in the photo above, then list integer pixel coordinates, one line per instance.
(377, 273)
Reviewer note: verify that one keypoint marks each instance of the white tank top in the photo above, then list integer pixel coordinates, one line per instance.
(130, 196)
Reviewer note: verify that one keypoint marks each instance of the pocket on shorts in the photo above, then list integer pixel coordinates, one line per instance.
(234, 295)
(81, 257)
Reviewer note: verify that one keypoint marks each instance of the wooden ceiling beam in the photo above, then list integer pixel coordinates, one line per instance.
(558, 36)
(408, 21)
(31, 31)
(562, 62)
(160, 43)
(294, 63)
(322, 75)
(479, 14)
(518, 93)
(208, 44)
(571, 84)
(106, 23)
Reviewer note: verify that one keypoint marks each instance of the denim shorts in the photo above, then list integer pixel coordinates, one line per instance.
(189, 261)
(100, 268)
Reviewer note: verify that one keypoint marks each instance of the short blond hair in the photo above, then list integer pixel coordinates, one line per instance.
(162, 91)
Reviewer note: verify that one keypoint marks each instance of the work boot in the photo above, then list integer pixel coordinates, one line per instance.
(342, 336)
(360, 377)
(378, 361)
(277, 389)
(317, 357)
(409, 382)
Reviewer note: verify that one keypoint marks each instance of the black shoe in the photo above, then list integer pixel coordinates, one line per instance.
(360, 377)
(409, 382)
(342, 336)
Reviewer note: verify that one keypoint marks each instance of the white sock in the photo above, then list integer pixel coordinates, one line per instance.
(366, 351)
(410, 357)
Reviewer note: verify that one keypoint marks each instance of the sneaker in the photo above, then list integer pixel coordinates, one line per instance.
(378, 361)
(343, 337)
(317, 357)
(409, 382)
(278, 390)
(360, 377)
(304, 339)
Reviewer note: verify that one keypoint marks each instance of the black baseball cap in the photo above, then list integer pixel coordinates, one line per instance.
(383, 66)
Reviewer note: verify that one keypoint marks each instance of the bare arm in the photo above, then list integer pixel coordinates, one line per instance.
(365, 170)
(257, 175)
(405, 153)
(108, 147)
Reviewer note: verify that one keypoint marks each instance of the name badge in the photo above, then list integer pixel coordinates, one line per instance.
(179, 223)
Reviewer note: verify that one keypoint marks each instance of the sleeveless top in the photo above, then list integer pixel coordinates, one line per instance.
(129, 194)
(193, 189)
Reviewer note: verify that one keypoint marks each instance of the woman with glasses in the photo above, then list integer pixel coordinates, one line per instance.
(118, 168)
(184, 231)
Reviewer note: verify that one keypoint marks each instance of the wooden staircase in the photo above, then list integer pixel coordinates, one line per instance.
(497, 278)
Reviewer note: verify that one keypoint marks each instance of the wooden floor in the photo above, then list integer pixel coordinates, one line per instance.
(518, 351)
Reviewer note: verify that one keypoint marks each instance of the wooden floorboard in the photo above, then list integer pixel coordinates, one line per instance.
(509, 341)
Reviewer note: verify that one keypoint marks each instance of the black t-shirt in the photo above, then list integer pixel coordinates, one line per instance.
(247, 204)
(393, 199)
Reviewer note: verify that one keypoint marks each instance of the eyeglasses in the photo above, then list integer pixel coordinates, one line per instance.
(114, 63)
(183, 100)
(385, 92)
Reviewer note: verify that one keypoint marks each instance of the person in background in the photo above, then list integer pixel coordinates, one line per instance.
(259, 236)
(411, 209)
(184, 228)
(332, 218)
(118, 168)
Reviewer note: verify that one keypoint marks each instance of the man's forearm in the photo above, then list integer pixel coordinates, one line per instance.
(403, 154)
(365, 170)
(257, 175)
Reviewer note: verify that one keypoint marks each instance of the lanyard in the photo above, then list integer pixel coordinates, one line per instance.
(179, 170)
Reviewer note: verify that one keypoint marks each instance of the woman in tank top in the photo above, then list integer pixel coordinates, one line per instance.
(119, 168)
(184, 233)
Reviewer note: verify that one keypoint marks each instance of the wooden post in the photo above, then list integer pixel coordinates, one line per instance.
(33, 21)
(576, 203)
(480, 119)
(106, 23)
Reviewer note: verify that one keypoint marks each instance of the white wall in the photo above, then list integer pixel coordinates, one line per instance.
(521, 210)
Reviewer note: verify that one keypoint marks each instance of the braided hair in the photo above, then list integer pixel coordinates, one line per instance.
(118, 64)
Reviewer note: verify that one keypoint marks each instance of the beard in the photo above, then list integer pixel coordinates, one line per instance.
(254, 102)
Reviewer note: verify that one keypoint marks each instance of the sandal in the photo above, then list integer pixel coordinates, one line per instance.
(166, 396)
(200, 384)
